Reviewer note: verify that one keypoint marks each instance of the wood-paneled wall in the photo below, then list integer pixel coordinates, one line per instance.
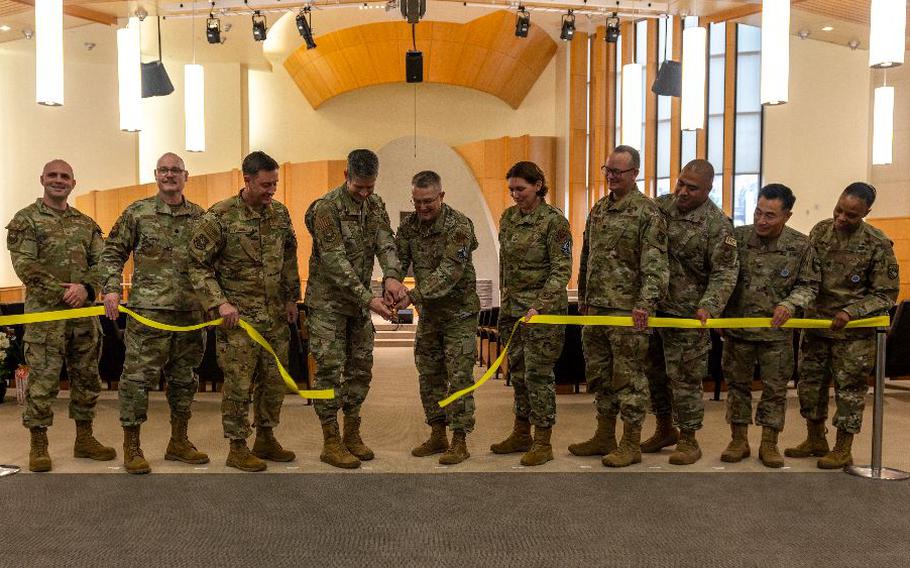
(898, 230)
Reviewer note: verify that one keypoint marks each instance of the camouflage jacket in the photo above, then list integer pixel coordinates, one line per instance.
(245, 257)
(346, 237)
(441, 255)
(158, 237)
(779, 272)
(49, 248)
(701, 250)
(535, 261)
(859, 273)
(624, 254)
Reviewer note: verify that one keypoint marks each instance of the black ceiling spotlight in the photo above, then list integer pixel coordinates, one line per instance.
(612, 29)
(568, 27)
(259, 31)
(305, 27)
(213, 29)
(522, 22)
(413, 10)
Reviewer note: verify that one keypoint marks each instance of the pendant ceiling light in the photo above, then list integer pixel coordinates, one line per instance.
(49, 52)
(129, 77)
(775, 51)
(887, 33)
(692, 109)
(883, 126)
(194, 100)
(631, 104)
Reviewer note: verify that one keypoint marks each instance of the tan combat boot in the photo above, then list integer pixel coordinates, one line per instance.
(629, 449)
(687, 450)
(768, 452)
(815, 443)
(457, 452)
(241, 458)
(86, 446)
(518, 441)
(840, 456)
(266, 447)
(602, 443)
(333, 451)
(541, 451)
(179, 448)
(665, 435)
(738, 448)
(38, 458)
(352, 440)
(133, 459)
(435, 444)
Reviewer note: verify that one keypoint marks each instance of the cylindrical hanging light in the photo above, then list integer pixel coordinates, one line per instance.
(631, 104)
(194, 107)
(883, 126)
(49, 52)
(692, 106)
(129, 76)
(775, 52)
(886, 33)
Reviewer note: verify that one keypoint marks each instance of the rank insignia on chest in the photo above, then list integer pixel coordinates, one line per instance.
(730, 241)
(892, 271)
(201, 242)
(785, 273)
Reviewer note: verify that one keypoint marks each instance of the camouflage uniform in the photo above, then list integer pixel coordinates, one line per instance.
(247, 257)
(774, 272)
(701, 251)
(859, 275)
(346, 237)
(623, 266)
(446, 295)
(158, 237)
(49, 248)
(535, 262)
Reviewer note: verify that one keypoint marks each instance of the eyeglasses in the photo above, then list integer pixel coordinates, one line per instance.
(166, 171)
(424, 202)
(613, 172)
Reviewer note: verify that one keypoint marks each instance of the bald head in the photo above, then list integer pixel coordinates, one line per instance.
(694, 185)
(171, 177)
(58, 182)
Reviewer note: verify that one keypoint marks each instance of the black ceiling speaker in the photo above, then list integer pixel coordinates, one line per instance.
(669, 79)
(155, 80)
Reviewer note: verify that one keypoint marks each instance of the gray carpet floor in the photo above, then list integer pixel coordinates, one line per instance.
(454, 519)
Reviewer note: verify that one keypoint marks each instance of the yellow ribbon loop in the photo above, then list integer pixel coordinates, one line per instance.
(60, 315)
(679, 323)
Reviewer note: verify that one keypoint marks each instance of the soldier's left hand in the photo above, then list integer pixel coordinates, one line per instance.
(75, 295)
(780, 317)
(393, 291)
(531, 313)
(702, 315)
(841, 319)
(640, 319)
(291, 309)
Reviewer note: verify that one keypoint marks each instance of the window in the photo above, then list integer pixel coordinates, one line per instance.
(748, 137)
(641, 57)
(717, 49)
(689, 137)
(664, 105)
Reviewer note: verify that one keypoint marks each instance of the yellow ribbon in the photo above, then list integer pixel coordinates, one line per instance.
(680, 323)
(59, 315)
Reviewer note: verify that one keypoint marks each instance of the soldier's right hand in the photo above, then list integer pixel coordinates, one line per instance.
(378, 306)
(112, 305)
(229, 315)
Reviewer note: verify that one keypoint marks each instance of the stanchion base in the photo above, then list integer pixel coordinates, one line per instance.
(882, 473)
(6, 470)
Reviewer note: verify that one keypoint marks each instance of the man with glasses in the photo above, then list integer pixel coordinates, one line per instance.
(703, 272)
(156, 231)
(623, 272)
(350, 229)
(438, 241)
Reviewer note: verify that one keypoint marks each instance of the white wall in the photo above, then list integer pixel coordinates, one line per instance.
(893, 181)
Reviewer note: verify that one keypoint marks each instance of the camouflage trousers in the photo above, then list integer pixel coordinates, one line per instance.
(677, 366)
(532, 355)
(445, 351)
(775, 364)
(250, 374)
(343, 348)
(152, 353)
(847, 364)
(47, 346)
(614, 369)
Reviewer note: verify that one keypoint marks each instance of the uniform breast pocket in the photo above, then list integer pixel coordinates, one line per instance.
(852, 268)
(150, 245)
(244, 241)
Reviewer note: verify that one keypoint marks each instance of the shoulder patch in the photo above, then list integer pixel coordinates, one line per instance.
(730, 241)
(461, 238)
(325, 227)
(201, 241)
(892, 271)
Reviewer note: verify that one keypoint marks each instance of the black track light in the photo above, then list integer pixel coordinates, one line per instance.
(568, 27)
(522, 22)
(213, 29)
(305, 27)
(612, 29)
(259, 29)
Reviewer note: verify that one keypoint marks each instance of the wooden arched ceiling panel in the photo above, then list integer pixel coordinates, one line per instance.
(483, 54)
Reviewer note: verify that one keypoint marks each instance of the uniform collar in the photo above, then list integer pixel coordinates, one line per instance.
(438, 224)
(698, 215)
(530, 218)
(162, 207)
(249, 212)
(623, 204)
(350, 206)
(70, 211)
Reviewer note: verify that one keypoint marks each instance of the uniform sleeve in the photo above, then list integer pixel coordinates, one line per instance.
(92, 278)
(385, 245)
(333, 259)
(654, 267)
(723, 263)
(206, 244)
(455, 258)
(22, 243)
(807, 282)
(559, 249)
(583, 263)
(117, 248)
(290, 273)
(884, 284)
(403, 249)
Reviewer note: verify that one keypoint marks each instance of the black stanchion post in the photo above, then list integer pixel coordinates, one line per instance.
(875, 470)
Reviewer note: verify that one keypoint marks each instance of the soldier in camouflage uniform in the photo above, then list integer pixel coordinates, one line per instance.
(859, 279)
(54, 249)
(156, 231)
(350, 227)
(623, 272)
(243, 263)
(535, 262)
(778, 276)
(703, 271)
(438, 240)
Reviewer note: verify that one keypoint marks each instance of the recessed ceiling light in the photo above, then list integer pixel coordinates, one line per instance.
(5, 28)
(827, 28)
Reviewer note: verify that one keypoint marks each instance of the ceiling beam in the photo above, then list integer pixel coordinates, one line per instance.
(80, 12)
(738, 12)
